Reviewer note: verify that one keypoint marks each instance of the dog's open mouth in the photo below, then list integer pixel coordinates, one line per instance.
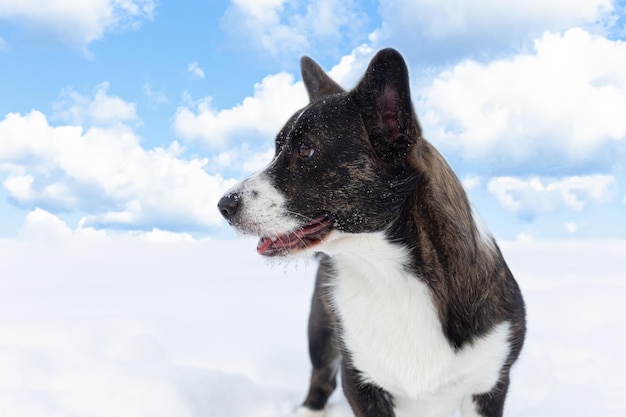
(301, 238)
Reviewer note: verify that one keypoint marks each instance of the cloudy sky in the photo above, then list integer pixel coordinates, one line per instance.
(133, 116)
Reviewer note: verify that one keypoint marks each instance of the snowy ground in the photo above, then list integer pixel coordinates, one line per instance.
(132, 328)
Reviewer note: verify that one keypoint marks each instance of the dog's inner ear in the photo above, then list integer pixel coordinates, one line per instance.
(387, 108)
(317, 82)
(384, 100)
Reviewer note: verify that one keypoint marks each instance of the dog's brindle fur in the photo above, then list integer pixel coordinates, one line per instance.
(372, 171)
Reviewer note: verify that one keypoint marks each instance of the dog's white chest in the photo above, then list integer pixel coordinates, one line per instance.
(393, 333)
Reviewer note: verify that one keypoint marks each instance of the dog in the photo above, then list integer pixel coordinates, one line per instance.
(413, 303)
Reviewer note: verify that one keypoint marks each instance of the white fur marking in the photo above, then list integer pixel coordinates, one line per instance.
(468, 407)
(392, 329)
(263, 207)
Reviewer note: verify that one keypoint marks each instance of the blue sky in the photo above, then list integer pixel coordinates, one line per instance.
(128, 116)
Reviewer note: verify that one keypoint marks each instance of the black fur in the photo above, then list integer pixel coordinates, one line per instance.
(323, 346)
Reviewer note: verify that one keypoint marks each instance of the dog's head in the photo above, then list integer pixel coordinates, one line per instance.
(341, 164)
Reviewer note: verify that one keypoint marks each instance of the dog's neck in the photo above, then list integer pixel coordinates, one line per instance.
(440, 212)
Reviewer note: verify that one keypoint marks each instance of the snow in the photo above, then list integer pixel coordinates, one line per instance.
(128, 327)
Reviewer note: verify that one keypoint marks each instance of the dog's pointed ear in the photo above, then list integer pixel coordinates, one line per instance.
(384, 98)
(316, 81)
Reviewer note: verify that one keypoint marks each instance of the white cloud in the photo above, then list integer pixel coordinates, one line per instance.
(195, 69)
(46, 228)
(258, 160)
(471, 182)
(468, 27)
(562, 104)
(105, 171)
(241, 160)
(274, 101)
(158, 97)
(530, 197)
(571, 227)
(77, 23)
(280, 26)
(351, 67)
(165, 236)
(102, 109)
(3, 45)
(525, 238)
(29, 138)
(20, 186)
(23, 189)
(43, 225)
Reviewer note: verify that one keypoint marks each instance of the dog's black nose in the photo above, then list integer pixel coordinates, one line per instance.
(228, 205)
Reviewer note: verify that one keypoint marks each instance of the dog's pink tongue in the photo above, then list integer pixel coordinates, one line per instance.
(263, 245)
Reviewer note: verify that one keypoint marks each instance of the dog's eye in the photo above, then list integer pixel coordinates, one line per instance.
(305, 151)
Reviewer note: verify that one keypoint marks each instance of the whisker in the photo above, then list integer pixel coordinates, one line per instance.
(300, 215)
